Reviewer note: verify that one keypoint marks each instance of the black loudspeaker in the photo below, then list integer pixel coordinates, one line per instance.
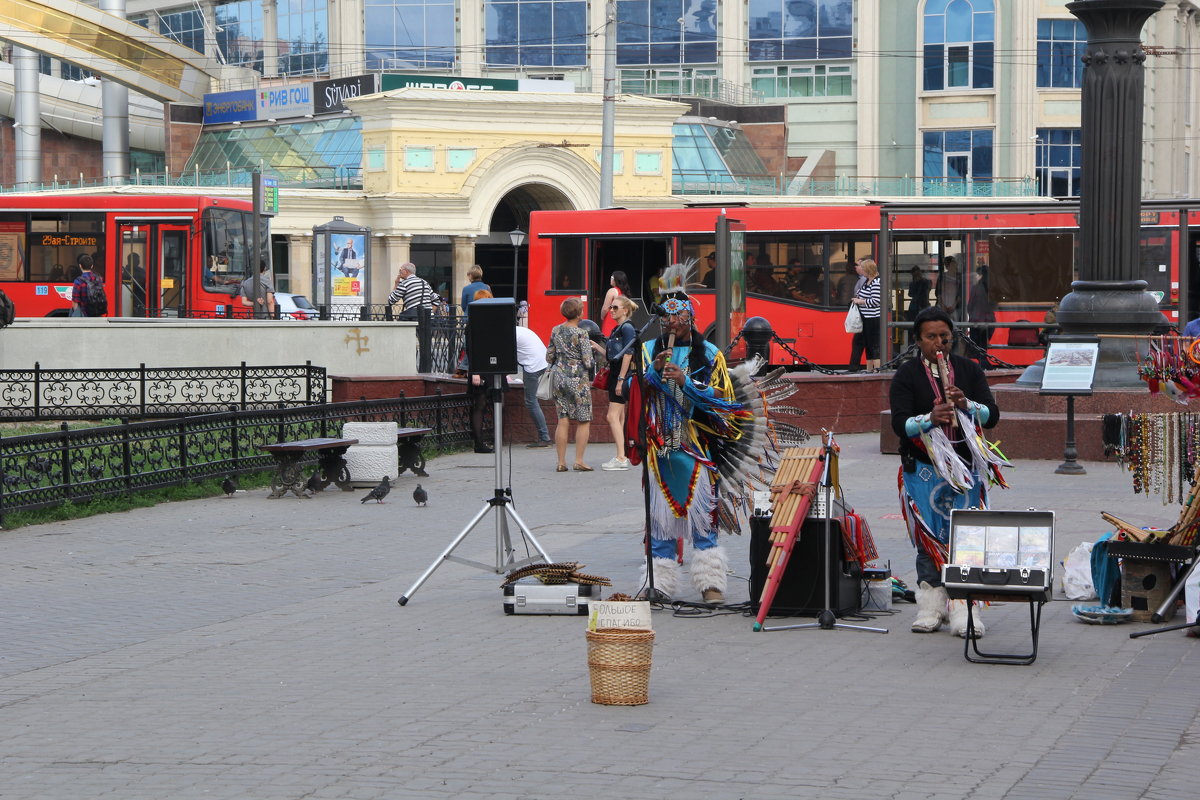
(802, 589)
(492, 336)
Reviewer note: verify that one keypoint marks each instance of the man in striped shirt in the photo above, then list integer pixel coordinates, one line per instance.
(414, 291)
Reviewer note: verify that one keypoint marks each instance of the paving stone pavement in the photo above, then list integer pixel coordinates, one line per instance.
(253, 648)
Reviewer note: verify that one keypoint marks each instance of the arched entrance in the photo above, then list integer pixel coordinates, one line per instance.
(501, 261)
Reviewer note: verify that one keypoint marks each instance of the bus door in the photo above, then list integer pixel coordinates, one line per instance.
(153, 274)
(639, 259)
(943, 260)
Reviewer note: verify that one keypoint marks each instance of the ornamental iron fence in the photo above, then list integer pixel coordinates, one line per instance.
(47, 469)
(155, 391)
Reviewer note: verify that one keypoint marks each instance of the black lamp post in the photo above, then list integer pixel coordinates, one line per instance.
(517, 237)
(1110, 299)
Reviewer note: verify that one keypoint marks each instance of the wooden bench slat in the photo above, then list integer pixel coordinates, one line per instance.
(305, 445)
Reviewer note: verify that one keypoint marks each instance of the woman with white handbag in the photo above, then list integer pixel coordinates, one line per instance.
(867, 300)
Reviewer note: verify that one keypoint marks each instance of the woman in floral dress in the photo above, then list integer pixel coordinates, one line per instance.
(569, 355)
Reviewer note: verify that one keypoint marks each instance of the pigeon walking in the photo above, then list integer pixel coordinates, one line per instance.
(315, 484)
(228, 486)
(379, 492)
(420, 495)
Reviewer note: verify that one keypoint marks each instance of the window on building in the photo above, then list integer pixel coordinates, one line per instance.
(802, 80)
(536, 33)
(667, 82)
(958, 163)
(959, 44)
(666, 31)
(1061, 45)
(185, 27)
(409, 34)
(303, 27)
(319, 152)
(1059, 157)
(716, 159)
(240, 33)
(61, 69)
(793, 30)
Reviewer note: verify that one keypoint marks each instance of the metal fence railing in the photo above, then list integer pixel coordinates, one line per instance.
(81, 465)
(38, 393)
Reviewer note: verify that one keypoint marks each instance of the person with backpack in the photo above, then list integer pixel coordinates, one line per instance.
(88, 298)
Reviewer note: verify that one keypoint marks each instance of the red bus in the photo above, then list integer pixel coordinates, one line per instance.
(159, 255)
(800, 262)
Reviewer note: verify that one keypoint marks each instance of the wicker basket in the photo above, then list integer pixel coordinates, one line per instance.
(619, 664)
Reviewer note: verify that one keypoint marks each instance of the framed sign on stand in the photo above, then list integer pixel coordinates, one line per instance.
(1070, 370)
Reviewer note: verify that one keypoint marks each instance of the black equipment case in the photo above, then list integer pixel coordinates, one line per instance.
(1000, 553)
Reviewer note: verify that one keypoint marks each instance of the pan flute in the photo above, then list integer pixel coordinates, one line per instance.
(792, 492)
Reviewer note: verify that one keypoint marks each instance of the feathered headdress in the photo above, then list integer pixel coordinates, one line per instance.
(672, 288)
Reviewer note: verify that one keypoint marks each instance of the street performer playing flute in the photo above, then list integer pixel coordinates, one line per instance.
(939, 402)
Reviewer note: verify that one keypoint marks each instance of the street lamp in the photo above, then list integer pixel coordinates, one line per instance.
(517, 237)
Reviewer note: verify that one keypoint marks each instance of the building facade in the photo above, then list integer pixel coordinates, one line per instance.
(980, 92)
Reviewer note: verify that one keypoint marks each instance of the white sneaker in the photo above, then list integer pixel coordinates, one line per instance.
(615, 463)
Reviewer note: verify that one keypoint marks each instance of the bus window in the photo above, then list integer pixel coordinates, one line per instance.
(226, 256)
(568, 265)
(1154, 250)
(1029, 267)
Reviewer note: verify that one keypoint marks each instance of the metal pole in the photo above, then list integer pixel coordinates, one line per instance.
(608, 108)
(516, 267)
(1070, 466)
(255, 244)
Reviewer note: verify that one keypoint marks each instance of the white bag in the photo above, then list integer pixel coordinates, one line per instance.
(1077, 573)
(545, 390)
(853, 319)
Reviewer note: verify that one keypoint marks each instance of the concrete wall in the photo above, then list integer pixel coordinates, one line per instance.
(360, 348)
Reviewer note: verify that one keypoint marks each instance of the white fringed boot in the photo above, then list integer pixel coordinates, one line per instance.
(666, 579)
(931, 608)
(958, 619)
(710, 570)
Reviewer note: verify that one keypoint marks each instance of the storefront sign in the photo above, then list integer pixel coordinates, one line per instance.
(229, 107)
(329, 97)
(392, 81)
(295, 100)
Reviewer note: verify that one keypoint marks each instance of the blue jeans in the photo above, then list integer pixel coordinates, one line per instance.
(530, 381)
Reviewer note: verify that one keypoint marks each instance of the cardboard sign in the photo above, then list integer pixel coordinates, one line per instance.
(633, 615)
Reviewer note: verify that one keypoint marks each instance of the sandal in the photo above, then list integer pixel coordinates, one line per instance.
(561, 468)
(583, 468)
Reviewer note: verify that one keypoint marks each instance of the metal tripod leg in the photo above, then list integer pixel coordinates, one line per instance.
(1160, 615)
(501, 503)
(505, 560)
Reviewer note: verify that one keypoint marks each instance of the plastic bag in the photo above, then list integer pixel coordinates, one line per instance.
(545, 387)
(1077, 573)
(854, 321)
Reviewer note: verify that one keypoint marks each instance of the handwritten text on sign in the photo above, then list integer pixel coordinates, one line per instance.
(619, 614)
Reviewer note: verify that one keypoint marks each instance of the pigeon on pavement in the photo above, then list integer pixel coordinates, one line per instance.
(314, 483)
(379, 492)
(228, 486)
(420, 495)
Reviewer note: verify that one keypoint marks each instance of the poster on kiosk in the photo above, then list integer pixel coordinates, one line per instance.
(341, 262)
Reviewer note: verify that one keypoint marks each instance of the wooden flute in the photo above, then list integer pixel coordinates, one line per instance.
(944, 377)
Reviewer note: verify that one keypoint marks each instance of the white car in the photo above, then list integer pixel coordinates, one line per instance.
(295, 306)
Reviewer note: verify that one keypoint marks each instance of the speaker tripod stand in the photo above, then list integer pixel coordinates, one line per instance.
(826, 619)
(500, 506)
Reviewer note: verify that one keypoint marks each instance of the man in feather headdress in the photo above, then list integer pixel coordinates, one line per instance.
(688, 408)
(945, 463)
